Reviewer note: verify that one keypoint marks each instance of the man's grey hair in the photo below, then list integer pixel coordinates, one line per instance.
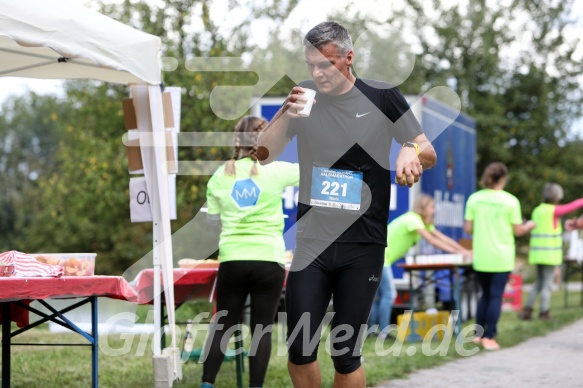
(329, 32)
(552, 193)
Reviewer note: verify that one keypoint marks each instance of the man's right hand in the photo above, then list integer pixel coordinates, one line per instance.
(295, 102)
(273, 139)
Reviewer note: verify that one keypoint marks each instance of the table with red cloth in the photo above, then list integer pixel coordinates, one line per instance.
(16, 293)
(189, 284)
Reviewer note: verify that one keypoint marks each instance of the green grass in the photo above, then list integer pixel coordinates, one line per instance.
(34, 366)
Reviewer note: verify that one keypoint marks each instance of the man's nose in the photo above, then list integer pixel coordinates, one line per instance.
(316, 73)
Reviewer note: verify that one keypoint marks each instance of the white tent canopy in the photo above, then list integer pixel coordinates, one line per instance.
(61, 39)
(64, 40)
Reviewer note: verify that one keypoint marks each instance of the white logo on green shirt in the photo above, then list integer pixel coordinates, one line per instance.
(245, 193)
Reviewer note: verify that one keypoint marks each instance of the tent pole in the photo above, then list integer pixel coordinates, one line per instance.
(161, 217)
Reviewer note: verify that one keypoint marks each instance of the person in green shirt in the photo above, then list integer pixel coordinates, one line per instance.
(493, 216)
(406, 230)
(244, 199)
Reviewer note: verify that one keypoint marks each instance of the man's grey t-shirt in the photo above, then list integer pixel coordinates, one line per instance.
(351, 135)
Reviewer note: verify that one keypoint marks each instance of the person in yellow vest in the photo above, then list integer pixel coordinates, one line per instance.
(546, 247)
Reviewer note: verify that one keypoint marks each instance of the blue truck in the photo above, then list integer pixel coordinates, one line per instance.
(450, 182)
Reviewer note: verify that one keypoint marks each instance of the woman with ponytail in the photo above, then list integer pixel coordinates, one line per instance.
(494, 217)
(244, 200)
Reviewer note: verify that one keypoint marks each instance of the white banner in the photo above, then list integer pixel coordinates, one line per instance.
(140, 210)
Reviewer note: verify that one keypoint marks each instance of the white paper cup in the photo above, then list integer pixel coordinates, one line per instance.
(309, 94)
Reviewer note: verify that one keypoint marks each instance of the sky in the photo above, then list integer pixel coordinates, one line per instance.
(306, 14)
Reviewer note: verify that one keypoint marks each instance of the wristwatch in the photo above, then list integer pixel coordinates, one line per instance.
(412, 145)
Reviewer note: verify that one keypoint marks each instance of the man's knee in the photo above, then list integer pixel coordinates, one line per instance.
(299, 354)
(347, 363)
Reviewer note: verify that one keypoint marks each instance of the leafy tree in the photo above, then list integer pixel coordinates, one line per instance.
(524, 94)
(30, 132)
(82, 205)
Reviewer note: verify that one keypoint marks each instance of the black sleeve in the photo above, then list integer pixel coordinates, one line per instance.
(404, 124)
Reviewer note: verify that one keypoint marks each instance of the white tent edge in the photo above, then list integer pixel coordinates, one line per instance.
(64, 40)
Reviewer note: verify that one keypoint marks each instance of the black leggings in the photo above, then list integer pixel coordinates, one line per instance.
(350, 274)
(263, 280)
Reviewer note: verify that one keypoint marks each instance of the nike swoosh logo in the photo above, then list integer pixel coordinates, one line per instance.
(364, 114)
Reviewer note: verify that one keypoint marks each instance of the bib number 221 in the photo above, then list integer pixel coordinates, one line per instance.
(340, 189)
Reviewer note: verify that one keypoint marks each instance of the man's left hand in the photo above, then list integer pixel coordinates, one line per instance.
(408, 168)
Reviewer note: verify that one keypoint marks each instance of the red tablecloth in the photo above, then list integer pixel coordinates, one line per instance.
(28, 289)
(189, 284)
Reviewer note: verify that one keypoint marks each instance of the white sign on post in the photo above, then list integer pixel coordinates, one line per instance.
(140, 210)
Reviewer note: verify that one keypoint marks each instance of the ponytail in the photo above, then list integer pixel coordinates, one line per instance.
(230, 165)
(248, 127)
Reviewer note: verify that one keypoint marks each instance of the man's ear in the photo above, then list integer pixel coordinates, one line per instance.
(349, 58)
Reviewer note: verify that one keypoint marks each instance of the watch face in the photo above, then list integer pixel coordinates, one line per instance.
(412, 145)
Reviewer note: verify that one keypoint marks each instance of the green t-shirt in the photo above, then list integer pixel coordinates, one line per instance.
(402, 235)
(493, 213)
(250, 209)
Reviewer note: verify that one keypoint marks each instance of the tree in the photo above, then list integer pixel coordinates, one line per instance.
(81, 205)
(524, 94)
(30, 133)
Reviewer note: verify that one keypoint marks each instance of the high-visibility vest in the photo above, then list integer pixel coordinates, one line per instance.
(546, 240)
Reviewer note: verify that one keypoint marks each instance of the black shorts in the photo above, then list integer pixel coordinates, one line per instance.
(347, 273)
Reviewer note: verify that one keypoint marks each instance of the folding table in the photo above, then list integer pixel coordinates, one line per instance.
(16, 293)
